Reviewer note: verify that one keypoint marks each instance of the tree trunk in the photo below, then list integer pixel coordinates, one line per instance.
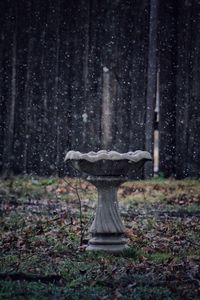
(188, 91)
(28, 93)
(8, 156)
(167, 64)
(151, 86)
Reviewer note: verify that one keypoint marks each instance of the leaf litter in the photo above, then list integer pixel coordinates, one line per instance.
(41, 232)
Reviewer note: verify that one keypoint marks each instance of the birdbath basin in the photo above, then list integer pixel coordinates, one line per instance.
(107, 170)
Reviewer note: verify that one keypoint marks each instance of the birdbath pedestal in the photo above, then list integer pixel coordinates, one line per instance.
(107, 170)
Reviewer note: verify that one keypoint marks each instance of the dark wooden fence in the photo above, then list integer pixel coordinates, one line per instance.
(83, 75)
(179, 63)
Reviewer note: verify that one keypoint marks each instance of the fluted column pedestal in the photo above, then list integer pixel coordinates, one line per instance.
(107, 229)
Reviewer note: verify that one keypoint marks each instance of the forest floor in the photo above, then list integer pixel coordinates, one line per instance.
(44, 230)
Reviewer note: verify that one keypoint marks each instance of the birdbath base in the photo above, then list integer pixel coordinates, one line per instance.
(110, 243)
(107, 229)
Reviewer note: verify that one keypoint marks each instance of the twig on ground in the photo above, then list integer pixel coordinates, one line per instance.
(76, 189)
(194, 279)
(192, 242)
(30, 277)
(80, 214)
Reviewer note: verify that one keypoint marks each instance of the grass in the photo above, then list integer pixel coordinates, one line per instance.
(160, 258)
(41, 256)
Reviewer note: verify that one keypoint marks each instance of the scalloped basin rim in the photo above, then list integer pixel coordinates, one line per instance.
(92, 156)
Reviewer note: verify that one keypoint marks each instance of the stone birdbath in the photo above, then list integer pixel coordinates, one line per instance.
(107, 170)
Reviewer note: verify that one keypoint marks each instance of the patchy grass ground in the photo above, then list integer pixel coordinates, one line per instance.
(42, 241)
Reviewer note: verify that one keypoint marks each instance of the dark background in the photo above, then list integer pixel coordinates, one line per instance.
(62, 62)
